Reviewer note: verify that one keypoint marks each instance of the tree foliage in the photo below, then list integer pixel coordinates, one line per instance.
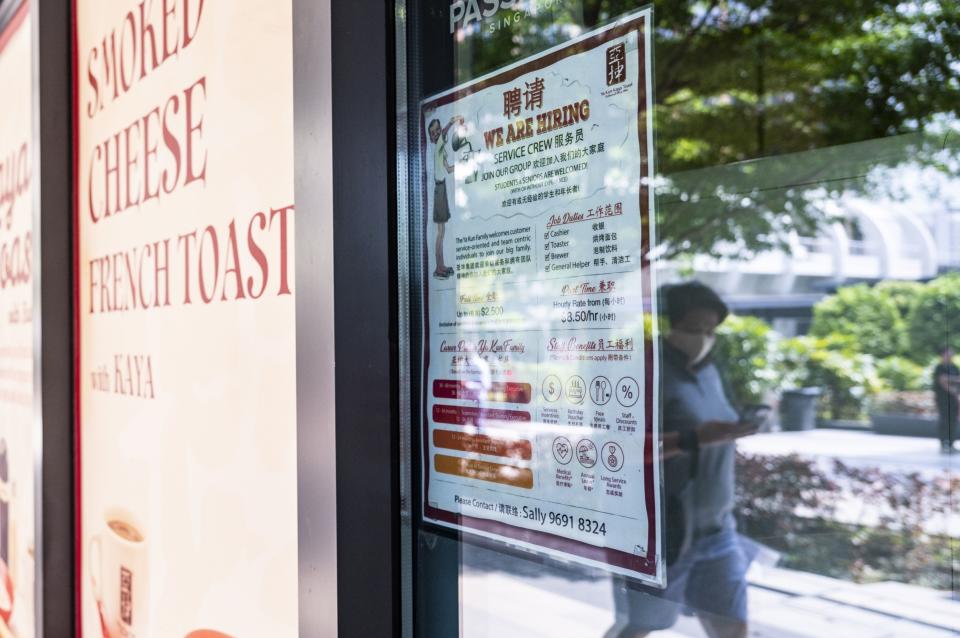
(902, 293)
(933, 319)
(903, 375)
(744, 351)
(847, 378)
(865, 315)
(774, 92)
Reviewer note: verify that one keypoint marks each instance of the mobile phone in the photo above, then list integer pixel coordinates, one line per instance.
(755, 415)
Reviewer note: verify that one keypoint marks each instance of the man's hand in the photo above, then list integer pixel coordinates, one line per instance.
(720, 432)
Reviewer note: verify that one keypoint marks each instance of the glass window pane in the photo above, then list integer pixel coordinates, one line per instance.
(784, 262)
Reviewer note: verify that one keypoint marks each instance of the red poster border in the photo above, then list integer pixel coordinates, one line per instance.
(646, 565)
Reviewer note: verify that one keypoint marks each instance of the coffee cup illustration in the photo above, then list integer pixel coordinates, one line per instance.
(118, 573)
(466, 162)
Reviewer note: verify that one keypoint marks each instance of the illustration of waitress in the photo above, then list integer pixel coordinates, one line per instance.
(441, 206)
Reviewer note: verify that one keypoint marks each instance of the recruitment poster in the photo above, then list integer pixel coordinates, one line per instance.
(539, 422)
(17, 539)
(185, 310)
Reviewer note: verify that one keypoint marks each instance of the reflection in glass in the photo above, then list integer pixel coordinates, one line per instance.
(806, 170)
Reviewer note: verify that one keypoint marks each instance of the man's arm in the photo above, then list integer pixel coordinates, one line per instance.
(943, 381)
(710, 433)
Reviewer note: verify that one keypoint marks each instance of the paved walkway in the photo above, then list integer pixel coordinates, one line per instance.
(783, 604)
(900, 453)
(506, 597)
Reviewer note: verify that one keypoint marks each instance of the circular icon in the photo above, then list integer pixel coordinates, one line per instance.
(576, 389)
(600, 390)
(562, 450)
(551, 388)
(612, 456)
(586, 453)
(627, 391)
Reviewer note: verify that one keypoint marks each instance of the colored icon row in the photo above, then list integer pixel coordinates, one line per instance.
(600, 390)
(587, 453)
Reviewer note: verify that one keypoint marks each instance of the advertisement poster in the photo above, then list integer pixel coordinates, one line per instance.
(17, 557)
(539, 423)
(186, 374)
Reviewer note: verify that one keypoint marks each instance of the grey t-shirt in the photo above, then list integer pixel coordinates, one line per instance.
(691, 398)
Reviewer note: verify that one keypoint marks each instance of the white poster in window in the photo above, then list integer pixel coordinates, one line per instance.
(540, 423)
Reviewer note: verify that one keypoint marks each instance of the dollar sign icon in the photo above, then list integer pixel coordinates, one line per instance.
(551, 388)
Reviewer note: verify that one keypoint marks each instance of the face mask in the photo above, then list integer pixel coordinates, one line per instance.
(695, 345)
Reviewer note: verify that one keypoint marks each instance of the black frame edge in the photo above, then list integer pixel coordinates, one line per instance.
(366, 324)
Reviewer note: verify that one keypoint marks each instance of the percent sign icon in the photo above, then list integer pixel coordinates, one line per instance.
(627, 391)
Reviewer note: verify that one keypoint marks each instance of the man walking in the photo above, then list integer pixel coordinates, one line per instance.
(706, 565)
(946, 386)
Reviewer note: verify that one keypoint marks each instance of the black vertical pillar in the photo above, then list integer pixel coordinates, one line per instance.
(364, 233)
(53, 314)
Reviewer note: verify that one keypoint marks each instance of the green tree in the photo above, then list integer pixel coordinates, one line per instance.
(845, 377)
(933, 319)
(903, 375)
(902, 293)
(791, 99)
(865, 315)
(766, 108)
(744, 351)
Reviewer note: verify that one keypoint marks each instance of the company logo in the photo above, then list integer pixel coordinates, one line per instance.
(463, 13)
(126, 595)
(616, 64)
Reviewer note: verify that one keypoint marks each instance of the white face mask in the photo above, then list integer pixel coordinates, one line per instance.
(695, 345)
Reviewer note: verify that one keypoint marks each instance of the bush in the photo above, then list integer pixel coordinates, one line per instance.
(870, 318)
(903, 294)
(792, 504)
(745, 351)
(846, 377)
(901, 374)
(932, 315)
(919, 404)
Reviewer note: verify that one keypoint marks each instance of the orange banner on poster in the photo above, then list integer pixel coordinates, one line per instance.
(484, 471)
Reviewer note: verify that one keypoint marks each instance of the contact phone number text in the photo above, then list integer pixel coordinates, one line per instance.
(547, 518)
